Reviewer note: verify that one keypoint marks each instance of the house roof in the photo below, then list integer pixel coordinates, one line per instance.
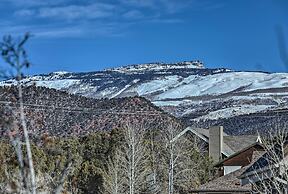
(256, 146)
(231, 144)
(229, 182)
(233, 147)
(226, 183)
(240, 142)
(265, 160)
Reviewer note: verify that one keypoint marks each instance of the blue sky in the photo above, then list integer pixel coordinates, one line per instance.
(89, 35)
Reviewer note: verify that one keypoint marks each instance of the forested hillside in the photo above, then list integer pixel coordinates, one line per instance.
(58, 113)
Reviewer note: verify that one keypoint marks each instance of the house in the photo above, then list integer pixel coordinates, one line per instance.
(248, 170)
(270, 170)
(228, 184)
(240, 159)
(220, 144)
(231, 160)
(229, 169)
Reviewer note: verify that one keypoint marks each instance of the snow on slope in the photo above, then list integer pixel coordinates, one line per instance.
(217, 84)
(232, 111)
(58, 84)
(174, 102)
(164, 86)
(161, 84)
(55, 84)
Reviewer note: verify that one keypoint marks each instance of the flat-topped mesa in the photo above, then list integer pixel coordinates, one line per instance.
(160, 66)
(60, 72)
(192, 64)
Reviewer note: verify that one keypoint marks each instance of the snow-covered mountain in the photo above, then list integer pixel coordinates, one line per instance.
(188, 90)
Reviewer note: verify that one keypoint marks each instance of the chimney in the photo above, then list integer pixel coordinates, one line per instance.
(215, 143)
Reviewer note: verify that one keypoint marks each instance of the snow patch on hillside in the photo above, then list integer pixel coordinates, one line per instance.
(58, 84)
(120, 91)
(162, 84)
(60, 72)
(265, 81)
(232, 111)
(171, 103)
(223, 83)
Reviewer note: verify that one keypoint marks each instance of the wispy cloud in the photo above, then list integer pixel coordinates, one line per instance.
(25, 13)
(173, 6)
(64, 31)
(32, 3)
(162, 6)
(91, 11)
(139, 3)
(133, 14)
(80, 17)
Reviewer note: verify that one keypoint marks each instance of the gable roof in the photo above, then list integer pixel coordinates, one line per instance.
(229, 182)
(264, 162)
(231, 144)
(256, 146)
(240, 142)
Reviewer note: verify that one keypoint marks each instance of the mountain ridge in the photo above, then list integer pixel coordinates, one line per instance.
(187, 90)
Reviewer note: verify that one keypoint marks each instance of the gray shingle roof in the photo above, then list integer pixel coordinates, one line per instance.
(231, 144)
(229, 182)
(237, 143)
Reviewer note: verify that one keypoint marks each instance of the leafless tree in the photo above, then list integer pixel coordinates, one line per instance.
(270, 173)
(154, 147)
(14, 54)
(135, 153)
(180, 166)
(128, 171)
(113, 175)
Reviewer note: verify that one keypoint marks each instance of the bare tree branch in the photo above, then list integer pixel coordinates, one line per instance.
(15, 56)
